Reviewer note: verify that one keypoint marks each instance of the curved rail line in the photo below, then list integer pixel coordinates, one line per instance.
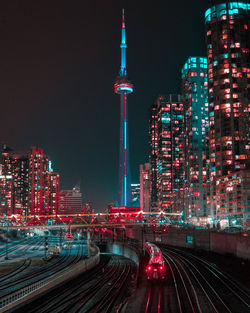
(94, 291)
(25, 264)
(222, 292)
(36, 275)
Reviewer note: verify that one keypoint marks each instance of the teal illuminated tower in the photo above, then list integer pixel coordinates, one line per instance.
(123, 87)
(195, 101)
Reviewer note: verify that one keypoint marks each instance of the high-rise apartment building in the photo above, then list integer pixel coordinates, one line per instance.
(16, 165)
(153, 146)
(195, 100)
(53, 192)
(167, 150)
(6, 193)
(35, 188)
(228, 44)
(38, 182)
(145, 187)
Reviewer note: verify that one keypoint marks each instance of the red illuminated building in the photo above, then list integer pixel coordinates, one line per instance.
(167, 152)
(38, 182)
(16, 165)
(35, 187)
(6, 193)
(53, 192)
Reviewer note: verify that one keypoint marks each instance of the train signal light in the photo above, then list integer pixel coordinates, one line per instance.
(46, 245)
(164, 230)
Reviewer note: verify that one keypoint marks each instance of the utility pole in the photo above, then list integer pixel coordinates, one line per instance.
(61, 238)
(6, 245)
(46, 244)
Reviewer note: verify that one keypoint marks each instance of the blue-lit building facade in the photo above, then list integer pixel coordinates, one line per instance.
(135, 194)
(228, 45)
(195, 101)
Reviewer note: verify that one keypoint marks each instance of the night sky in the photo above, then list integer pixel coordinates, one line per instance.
(58, 63)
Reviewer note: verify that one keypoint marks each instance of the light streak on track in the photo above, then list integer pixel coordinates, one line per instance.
(148, 299)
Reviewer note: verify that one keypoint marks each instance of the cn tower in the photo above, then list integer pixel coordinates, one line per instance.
(123, 87)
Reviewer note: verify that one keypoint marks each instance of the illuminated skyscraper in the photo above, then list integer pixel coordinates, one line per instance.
(153, 146)
(6, 193)
(228, 44)
(123, 87)
(16, 165)
(52, 190)
(194, 90)
(167, 150)
(38, 184)
(145, 187)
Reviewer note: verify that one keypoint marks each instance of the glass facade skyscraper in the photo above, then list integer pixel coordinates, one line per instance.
(153, 146)
(195, 100)
(228, 44)
(167, 150)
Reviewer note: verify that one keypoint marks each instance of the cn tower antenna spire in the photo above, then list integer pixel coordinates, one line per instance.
(123, 87)
(123, 18)
(123, 46)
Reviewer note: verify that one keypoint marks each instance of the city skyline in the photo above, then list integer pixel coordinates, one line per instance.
(60, 88)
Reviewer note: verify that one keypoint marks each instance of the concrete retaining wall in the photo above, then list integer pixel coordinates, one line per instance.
(223, 243)
(124, 250)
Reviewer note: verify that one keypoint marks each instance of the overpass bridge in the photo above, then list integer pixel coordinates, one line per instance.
(94, 220)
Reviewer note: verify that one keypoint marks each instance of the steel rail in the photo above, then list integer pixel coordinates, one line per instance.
(69, 295)
(58, 265)
(175, 284)
(183, 282)
(204, 279)
(191, 284)
(228, 280)
(52, 303)
(117, 289)
(16, 271)
(202, 288)
(107, 279)
(16, 247)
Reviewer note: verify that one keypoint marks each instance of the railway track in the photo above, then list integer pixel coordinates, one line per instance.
(201, 287)
(154, 298)
(14, 284)
(22, 245)
(101, 289)
(25, 264)
(192, 285)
